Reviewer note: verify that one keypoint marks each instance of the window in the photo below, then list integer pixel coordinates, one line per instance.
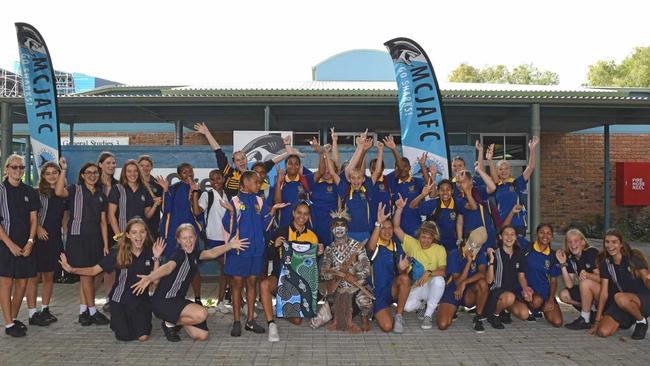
(303, 138)
(348, 138)
(511, 147)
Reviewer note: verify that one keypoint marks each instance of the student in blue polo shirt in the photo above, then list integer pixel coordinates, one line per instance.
(324, 184)
(290, 187)
(443, 210)
(476, 212)
(466, 285)
(248, 216)
(381, 183)
(541, 275)
(389, 280)
(625, 288)
(135, 255)
(510, 191)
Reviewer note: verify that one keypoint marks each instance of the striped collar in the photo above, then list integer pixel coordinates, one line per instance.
(537, 248)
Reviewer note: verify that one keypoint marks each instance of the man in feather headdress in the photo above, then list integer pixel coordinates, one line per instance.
(344, 270)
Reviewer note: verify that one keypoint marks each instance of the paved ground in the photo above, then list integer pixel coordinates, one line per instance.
(530, 343)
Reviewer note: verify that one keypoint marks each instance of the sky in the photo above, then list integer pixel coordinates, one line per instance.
(209, 42)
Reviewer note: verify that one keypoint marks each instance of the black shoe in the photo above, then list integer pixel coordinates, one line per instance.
(252, 326)
(455, 316)
(531, 318)
(107, 307)
(592, 317)
(537, 314)
(478, 325)
(197, 300)
(84, 319)
(578, 324)
(236, 329)
(495, 322)
(171, 333)
(37, 319)
(47, 315)
(99, 319)
(640, 330)
(505, 317)
(20, 325)
(15, 331)
(226, 294)
(471, 310)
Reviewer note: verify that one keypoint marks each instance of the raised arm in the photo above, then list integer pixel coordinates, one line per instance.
(390, 143)
(277, 193)
(422, 161)
(321, 160)
(59, 187)
(397, 218)
(356, 157)
(379, 169)
(371, 244)
(566, 276)
(202, 129)
(490, 187)
(426, 190)
(329, 165)
(489, 156)
(532, 158)
(335, 147)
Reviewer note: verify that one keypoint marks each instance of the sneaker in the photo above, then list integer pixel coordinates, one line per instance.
(471, 310)
(99, 319)
(273, 333)
(478, 324)
(107, 307)
(198, 301)
(84, 318)
(398, 325)
(427, 322)
(170, 333)
(15, 331)
(252, 326)
(20, 325)
(37, 319)
(592, 317)
(47, 315)
(420, 313)
(537, 314)
(531, 318)
(578, 324)
(639, 331)
(236, 329)
(495, 322)
(453, 318)
(505, 317)
(222, 308)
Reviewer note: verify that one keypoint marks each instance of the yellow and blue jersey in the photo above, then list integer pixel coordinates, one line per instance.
(509, 193)
(357, 202)
(408, 188)
(385, 261)
(250, 220)
(325, 198)
(541, 265)
(445, 217)
(456, 263)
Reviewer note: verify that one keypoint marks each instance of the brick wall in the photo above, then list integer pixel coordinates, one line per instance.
(572, 175)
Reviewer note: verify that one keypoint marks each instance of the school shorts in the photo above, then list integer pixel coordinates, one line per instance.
(131, 321)
(493, 299)
(16, 267)
(623, 318)
(448, 296)
(383, 298)
(237, 265)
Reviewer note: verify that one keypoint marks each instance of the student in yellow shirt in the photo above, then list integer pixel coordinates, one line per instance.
(429, 262)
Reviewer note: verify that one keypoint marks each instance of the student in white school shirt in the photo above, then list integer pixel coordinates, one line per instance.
(210, 203)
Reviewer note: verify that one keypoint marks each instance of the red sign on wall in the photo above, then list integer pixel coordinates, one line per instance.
(633, 184)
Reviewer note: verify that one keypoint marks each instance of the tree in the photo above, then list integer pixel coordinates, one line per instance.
(633, 71)
(499, 74)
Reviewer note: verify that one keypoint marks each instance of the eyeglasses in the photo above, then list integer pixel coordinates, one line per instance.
(16, 167)
(94, 172)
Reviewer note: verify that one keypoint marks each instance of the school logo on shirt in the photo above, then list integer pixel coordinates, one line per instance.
(100, 199)
(411, 189)
(258, 209)
(147, 263)
(588, 265)
(452, 215)
(517, 265)
(382, 187)
(512, 188)
(142, 197)
(547, 264)
(363, 195)
(330, 188)
(26, 199)
(300, 189)
(242, 207)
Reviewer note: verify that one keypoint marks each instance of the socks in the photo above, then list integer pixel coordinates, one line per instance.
(169, 325)
(92, 310)
(585, 316)
(43, 307)
(82, 308)
(31, 312)
(642, 321)
(7, 326)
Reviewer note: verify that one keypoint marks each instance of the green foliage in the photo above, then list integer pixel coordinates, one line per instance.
(633, 71)
(500, 74)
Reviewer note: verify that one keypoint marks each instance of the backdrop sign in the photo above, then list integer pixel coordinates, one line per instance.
(261, 145)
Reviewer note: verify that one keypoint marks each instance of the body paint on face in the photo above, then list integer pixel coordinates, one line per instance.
(340, 231)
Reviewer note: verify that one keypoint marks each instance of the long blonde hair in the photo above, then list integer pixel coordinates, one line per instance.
(124, 246)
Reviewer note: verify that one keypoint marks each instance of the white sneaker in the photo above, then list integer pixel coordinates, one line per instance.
(398, 325)
(427, 323)
(222, 308)
(273, 333)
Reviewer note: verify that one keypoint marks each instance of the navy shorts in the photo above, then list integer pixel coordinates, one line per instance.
(240, 266)
(623, 318)
(448, 297)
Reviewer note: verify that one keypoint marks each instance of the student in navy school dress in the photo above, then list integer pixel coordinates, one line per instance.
(248, 216)
(180, 205)
(506, 269)
(146, 165)
(19, 204)
(87, 240)
(389, 280)
(135, 255)
(542, 270)
(49, 244)
(510, 191)
(324, 193)
(129, 198)
(443, 210)
(291, 185)
(625, 288)
(466, 286)
(578, 263)
(107, 162)
(168, 302)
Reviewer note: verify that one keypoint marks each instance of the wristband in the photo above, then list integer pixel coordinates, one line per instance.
(490, 263)
(30, 241)
(155, 259)
(377, 224)
(564, 265)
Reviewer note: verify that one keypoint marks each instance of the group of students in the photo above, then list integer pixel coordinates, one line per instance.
(384, 239)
